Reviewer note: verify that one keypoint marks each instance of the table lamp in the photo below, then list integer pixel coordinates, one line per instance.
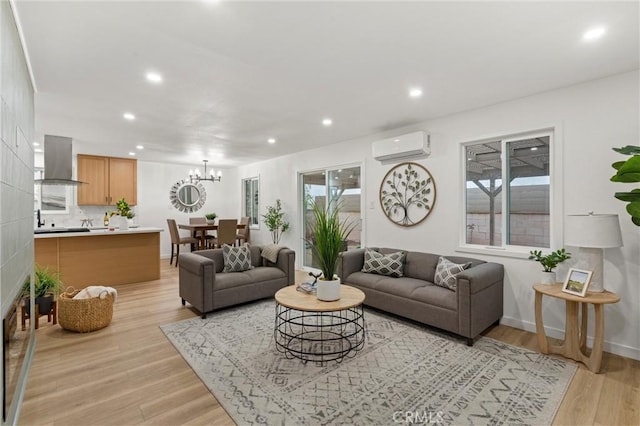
(592, 233)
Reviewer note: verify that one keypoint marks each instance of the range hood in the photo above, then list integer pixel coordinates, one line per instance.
(58, 162)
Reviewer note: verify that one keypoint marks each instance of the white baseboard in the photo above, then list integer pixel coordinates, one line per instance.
(614, 348)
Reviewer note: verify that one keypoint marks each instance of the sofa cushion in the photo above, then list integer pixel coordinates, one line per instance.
(403, 287)
(364, 279)
(236, 259)
(434, 295)
(390, 265)
(446, 273)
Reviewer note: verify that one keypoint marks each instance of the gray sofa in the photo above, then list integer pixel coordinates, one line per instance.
(468, 311)
(203, 284)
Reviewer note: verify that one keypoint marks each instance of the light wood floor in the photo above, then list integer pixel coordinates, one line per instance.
(129, 373)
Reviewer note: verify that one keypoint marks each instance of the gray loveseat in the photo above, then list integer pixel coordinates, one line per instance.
(468, 311)
(203, 284)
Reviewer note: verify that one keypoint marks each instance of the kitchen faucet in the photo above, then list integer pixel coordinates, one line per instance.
(40, 223)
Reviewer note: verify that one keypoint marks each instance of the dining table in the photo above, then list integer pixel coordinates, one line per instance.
(203, 227)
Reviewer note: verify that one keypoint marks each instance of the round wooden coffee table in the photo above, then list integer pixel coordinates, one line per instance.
(313, 330)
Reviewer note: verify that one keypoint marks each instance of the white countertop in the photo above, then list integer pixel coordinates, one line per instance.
(99, 232)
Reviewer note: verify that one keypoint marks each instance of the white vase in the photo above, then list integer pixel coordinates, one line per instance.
(328, 291)
(123, 223)
(547, 277)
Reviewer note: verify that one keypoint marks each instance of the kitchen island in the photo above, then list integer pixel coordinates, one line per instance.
(101, 256)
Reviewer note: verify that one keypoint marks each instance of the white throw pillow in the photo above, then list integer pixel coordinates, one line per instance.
(236, 259)
(446, 273)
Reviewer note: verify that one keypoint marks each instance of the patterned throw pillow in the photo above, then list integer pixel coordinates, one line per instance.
(446, 273)
(391, 265)
(236, 259)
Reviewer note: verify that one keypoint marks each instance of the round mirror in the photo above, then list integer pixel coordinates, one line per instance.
(187, 196)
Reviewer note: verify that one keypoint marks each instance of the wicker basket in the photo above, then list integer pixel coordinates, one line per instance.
(84, 315)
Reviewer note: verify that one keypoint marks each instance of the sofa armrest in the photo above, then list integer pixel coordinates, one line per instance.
(481, 276)
(287, 263)
(196, 264)
(350, 262)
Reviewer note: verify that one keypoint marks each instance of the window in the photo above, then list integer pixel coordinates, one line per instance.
(50, 199)
(508, 191)
(339, 185)
(251, 204)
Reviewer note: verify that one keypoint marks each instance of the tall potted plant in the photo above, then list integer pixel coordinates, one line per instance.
(274, 219)
(328, 240)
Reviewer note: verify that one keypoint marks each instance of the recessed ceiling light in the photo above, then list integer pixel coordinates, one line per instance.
(594, 33)
(271, 140)
(327, 122)
(36, 144)
(416, 92)
(132, 153)
(129, 116)
(37, 150)
(139, 147)
(154, 77)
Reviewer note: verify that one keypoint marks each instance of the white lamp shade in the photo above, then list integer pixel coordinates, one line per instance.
(593, 230)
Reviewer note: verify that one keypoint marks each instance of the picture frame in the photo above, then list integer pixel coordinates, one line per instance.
(577, 282)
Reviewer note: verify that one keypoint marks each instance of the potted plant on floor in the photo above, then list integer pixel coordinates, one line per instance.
(47, 286)
(549, 262)
(328, 240)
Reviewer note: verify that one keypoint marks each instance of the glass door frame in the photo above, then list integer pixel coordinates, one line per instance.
(301, 216)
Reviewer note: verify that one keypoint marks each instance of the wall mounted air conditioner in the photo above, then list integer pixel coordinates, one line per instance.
(411, 145)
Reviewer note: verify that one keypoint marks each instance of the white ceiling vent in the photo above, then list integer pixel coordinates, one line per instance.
(411, 145)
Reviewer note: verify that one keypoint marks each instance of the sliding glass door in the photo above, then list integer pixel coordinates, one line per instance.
(340, 186)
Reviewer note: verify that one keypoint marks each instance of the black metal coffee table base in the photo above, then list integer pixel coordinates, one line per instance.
(319, 336)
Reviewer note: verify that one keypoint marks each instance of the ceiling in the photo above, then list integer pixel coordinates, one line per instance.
(238, 73)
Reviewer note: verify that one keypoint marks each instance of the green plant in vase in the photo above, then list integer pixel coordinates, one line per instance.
(47, 285)
(549, 262)
(329, 236)
(211, 217)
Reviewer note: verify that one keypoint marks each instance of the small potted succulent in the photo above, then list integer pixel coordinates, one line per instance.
(549, 262)
(211, 218)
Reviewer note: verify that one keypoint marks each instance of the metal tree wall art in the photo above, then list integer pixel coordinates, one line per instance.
(407, 194)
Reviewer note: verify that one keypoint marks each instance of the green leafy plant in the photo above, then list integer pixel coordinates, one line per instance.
(211, 216)
(123, 208)
(550, 260)
(329, 236)
(629, 172)
(274, 219)
(47, 281)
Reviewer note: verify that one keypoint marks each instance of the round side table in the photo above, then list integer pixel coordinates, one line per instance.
(574, 345)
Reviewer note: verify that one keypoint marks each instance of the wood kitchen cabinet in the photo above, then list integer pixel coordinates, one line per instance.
(107, 180)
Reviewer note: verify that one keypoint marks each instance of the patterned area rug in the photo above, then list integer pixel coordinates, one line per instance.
(404, 374)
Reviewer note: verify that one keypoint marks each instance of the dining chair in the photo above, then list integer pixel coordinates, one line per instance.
(243, 234)
(177, 240)
(227, 229)
(208, 238)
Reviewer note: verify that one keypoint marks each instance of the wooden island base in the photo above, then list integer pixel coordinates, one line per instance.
(102, 259)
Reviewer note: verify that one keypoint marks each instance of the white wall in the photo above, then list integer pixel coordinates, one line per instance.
(16, 188)
(154, 206)
(590, 118)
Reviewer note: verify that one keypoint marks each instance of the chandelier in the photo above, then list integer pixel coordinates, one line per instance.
(195, 176)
